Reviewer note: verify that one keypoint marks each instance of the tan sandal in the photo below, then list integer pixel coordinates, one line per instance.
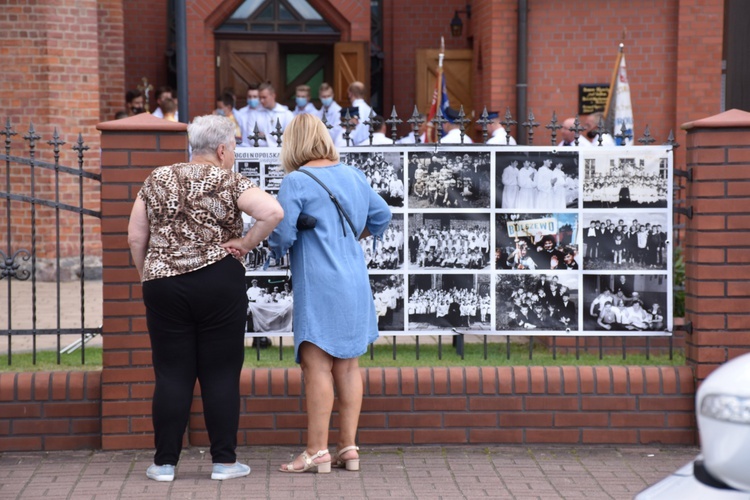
(351, 464)
(309, 464)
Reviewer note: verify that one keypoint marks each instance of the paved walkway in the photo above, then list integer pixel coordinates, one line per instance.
(446, 472)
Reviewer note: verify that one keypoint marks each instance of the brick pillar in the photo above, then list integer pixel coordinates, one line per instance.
(717, 243)
(131, 148)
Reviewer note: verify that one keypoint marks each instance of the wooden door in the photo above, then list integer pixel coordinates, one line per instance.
(458, 69)
(304, 64)
(242, 62)
(351, 63)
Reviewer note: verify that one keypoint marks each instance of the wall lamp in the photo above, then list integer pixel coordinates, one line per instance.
(457, 26)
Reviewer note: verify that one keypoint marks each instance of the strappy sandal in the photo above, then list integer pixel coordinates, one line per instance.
(309, 464)
(351, 464)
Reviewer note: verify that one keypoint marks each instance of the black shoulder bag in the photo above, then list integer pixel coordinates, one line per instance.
(307, 224)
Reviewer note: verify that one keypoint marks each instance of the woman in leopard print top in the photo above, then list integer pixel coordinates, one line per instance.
(185, 238)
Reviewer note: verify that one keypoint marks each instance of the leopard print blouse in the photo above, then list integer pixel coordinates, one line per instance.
(191, 209)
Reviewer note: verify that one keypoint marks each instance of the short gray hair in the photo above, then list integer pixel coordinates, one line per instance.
(206, 133)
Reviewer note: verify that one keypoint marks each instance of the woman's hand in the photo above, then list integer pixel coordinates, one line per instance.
(236, 247)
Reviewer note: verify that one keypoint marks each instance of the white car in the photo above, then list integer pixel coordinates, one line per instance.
(722, 470)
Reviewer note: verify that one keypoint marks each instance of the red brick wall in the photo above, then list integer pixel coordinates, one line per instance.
(50, 79)
(111, 59)
(50, 411)
(145, 44)
(572, 405)
(717, 239)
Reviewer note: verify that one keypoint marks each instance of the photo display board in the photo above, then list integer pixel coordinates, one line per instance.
(511, 240)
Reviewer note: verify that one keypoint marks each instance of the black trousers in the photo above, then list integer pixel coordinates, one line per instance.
(196, 322)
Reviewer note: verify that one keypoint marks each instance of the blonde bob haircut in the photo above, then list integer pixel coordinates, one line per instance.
(306, 139)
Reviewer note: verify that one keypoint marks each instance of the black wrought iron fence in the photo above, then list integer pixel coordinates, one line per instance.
(28, 230)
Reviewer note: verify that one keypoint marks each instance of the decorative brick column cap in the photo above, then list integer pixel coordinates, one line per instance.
(141, 122)
(728, 119)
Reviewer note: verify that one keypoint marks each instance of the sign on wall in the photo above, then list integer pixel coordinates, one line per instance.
(592, 97)
(501, 240)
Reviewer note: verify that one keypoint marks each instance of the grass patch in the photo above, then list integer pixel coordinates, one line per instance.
(47, 361)
(406, 356)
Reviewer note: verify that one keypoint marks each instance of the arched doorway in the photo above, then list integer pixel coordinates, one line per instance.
(286, 42)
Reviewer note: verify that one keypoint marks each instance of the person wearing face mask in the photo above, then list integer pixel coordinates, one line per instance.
(248, 115)
(329, 109)
(134, 102)
(302, 101)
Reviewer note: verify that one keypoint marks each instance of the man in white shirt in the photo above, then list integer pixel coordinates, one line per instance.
(248, 115)
(163, 93)
(378, 135)
(568, 135)
(453, 130)
(497, 133)
(592, 125)
(329, 109)
(302, 101)
(356, 94)
(270, 114)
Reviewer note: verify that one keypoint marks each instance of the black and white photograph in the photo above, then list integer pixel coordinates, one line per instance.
(452, 179)
(625, 303)
(388, 293)
(384, 170)
(635, 178)
(270, 304)
(537, 241)
(250, 169)
(536, 181)
(625, 240)
(449, 240)
(533, 303)
(447, 301)
(387, 253)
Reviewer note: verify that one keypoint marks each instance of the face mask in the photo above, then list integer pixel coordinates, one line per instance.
(253, 102)
(136, 110)
(220, 112)
(301, 101)
(327, 101)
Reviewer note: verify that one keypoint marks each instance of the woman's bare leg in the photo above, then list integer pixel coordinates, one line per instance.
(349, 387)
(316, 368)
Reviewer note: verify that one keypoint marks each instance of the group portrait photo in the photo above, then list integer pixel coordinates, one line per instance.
(448, 301)
(638, 178)
(626, 240)
(626, 303)
(384, 171)
(389, 294)
(449, 240)
(451, 179)
(539, 241)
(536, 180)
(270, 303)
(533, 303)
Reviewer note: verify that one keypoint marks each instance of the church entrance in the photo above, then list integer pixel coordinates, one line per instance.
(287, 43)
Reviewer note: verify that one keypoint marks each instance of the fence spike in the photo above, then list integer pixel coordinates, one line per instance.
(462, 122)
(507, 123)
(553, 126)
(484, 121)
(647, 139)
(416, 122)
(530, 124)
(393, 121)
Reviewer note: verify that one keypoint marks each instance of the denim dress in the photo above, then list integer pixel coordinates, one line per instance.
(333, 303)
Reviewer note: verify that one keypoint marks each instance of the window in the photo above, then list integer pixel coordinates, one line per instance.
(275, 16)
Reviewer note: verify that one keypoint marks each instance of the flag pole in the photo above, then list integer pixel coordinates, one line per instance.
(437, 96)
(613, 80)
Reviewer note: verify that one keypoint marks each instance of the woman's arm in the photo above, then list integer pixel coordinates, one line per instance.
(267, 213)
(138, 234)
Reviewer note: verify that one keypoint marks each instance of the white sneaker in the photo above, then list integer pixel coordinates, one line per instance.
(221, 472)
(160, 472)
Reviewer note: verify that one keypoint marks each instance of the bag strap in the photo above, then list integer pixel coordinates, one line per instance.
(341, 211)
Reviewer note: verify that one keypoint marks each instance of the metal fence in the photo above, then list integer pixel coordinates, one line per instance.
(28, 230)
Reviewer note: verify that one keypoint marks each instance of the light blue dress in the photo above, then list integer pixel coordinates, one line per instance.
(333, 304)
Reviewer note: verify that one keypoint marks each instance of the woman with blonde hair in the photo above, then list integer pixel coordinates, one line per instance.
(334, 311)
